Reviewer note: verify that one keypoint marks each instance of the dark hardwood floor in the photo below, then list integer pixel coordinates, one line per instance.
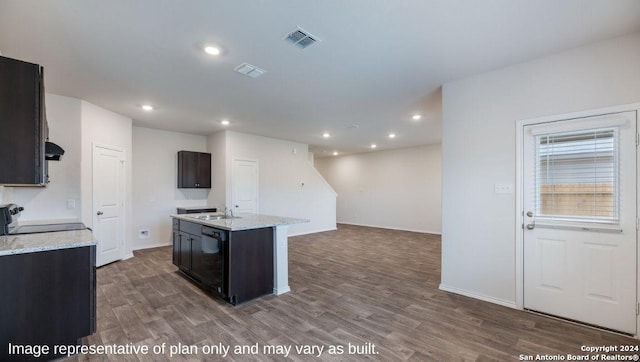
(359, 286)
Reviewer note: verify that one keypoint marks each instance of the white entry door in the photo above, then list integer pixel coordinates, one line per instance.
(245, 186)
(579, 200)
(108, 203)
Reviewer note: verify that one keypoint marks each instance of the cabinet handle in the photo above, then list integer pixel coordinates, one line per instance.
(99, 213)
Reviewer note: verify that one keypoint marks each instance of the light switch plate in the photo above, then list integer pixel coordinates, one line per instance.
(503, 188)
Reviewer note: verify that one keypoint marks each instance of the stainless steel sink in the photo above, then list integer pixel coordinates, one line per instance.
(213, 217)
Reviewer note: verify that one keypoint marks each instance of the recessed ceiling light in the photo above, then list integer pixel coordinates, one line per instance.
(373, 145)
(212, 50)
(335, 153)
(326, 135)
(416, 117)
(224, 122)
(392, 135)
(147, 107)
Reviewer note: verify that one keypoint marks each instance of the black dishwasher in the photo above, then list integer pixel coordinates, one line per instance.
(212, 253)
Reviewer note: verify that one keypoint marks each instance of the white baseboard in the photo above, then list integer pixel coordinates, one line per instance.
(279, 291)
(149, 246)
(312, 232)
(391, 228)
(506, 303)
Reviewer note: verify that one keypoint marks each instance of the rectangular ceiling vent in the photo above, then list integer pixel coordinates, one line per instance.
(301, 38)
(249, 70)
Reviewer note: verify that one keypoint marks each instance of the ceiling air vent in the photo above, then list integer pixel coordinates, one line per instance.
(249, 70)
(301, 38)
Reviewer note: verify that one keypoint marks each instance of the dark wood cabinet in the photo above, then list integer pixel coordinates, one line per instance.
(47, 298)
(194, 170)
(176, 242)
(250, 264)
(23, 128)
(184, 261)
(187, 254)
(246, 266)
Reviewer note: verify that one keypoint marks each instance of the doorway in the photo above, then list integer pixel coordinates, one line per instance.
(577, 245)
(108, 203)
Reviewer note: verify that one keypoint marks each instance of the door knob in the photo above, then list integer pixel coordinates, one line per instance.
(99, 213)
(531, 226)
(529, 214)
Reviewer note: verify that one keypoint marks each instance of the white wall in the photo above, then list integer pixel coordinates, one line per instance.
(155, 186)
(217, 146)
(63, 116)
(281, 173)
(479, 117)
(100, 126)
(395, 189)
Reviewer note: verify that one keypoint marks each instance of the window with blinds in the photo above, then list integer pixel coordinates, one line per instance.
(577, 175)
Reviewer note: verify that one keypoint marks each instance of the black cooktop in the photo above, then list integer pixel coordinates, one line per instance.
(46, 228)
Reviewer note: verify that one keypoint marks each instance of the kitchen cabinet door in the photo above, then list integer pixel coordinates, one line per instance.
(176, 248)
(48, 298)
(184, 261)
(194, 170)
(204, 170)
(176, 242)
(22, 124)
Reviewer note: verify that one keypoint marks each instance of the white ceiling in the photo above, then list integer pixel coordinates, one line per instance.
(378, 62)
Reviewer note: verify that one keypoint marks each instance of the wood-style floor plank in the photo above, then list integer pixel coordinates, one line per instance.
(354, 286)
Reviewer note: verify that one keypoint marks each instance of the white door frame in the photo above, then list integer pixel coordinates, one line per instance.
(94, 218)
(519, 231)
(233, 181)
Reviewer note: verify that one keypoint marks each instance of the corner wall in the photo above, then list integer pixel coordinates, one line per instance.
(281, 174)
(217, 146)
(155, 186)
(394, 189)
(478, 149)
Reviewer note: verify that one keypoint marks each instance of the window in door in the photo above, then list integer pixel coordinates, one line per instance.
(577, 175)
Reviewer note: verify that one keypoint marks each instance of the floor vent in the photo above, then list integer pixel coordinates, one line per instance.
(249, 70)
(301, 38)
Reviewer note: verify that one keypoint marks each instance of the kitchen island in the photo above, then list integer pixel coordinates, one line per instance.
(47, 290)
(238, 258)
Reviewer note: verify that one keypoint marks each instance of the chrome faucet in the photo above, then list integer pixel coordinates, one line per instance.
(228, 212)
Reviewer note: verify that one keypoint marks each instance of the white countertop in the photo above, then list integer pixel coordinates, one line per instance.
(30, 243)
(241, 221)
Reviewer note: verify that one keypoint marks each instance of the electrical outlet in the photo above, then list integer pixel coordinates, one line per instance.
(143, 234)
(71, 204)
(502, 188)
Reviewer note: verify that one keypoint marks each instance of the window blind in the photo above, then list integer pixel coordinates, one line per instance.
(576, 175)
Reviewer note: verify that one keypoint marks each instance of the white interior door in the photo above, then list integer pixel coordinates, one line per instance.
(579, 200)
(245, 186)
(108, 203)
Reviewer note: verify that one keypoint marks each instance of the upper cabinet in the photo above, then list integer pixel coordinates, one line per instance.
(194, 170)
(23, 126)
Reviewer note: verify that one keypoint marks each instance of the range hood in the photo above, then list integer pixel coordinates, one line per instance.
(52, 152)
